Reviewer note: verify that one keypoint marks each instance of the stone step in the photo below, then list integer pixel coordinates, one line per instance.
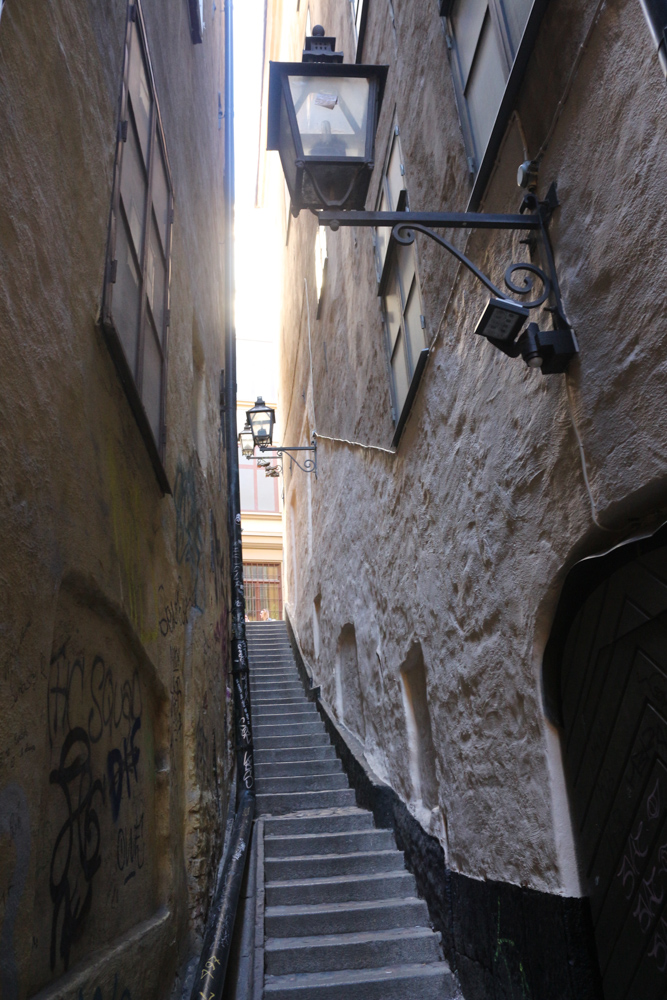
(267, 675)
(292, 714)
(280, 742)
(287, 729)
(264, 659)
(291, 755)
(300, 783)
(289, 769)
(340, 889)
(343, 918)
(278, 692)
(287, 802)
(280, 699)
(357, 950)
(325, 865)
(320, 821)
(399, 982)
(339, 842)
(276, 687)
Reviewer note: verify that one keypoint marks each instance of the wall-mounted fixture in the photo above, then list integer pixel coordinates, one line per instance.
(258, 433)
(261, 419)
(247, 441)
(322, 120)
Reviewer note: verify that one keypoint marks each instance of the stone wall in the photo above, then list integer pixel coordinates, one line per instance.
(460, 541)
(114, 742)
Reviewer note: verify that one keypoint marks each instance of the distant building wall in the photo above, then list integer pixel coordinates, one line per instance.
(114, 733)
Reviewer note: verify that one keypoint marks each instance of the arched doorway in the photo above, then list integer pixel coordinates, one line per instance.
(609, 653)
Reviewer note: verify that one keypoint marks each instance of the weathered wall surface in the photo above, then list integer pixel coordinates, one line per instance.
(114, 751)
(460, 540)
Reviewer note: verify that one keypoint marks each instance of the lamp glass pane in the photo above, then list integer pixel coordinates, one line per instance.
(261, 425)
(332, 114)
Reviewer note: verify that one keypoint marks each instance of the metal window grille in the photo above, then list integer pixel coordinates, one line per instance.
(262, 583)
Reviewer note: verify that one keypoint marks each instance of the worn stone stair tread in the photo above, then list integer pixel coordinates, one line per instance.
(350, 950)
(398, 884)
(365, 905)
(355, 937)
(344, 977)
(286, 801)
(352, 862)
(338, 838)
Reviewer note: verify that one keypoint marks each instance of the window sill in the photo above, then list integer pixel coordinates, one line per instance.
(137, 407)
(410, 398)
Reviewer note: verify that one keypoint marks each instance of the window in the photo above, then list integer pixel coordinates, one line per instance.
(259, 492)
(359, 16)
(196, 11)
(263, 587)
(401, 295)
(321, 259)
(136, 294)
(489, 43)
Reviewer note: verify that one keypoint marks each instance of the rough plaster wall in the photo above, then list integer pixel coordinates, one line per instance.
(109, 590)
(461, 540)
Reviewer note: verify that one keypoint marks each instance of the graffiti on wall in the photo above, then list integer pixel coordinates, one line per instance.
(99, 807)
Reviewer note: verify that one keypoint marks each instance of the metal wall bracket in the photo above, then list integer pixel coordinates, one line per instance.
(309, 464)
(534, 216)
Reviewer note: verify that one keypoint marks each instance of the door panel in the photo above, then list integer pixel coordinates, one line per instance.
(614, 700)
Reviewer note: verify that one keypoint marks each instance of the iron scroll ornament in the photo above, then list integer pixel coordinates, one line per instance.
(309, 464)
(405, 233)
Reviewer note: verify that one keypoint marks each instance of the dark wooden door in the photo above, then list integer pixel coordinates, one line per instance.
(614, 702)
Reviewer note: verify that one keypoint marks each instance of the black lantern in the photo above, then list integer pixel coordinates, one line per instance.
(261, 419)
(322, 120)
(247, 441)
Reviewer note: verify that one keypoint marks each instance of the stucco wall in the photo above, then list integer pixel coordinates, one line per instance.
(461, 539)
(114, 747)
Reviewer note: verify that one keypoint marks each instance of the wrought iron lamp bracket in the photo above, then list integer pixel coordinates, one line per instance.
(309, 464)
(533, 218)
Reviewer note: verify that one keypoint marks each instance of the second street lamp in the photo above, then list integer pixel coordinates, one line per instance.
(261, 419)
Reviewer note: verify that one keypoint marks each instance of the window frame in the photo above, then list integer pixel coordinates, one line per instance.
(133, 386)
(388, 269)
(196, 14)
(359, 12)
(256, 470)
(515, 64)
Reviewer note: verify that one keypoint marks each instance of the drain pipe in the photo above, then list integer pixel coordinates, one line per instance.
(210, 978)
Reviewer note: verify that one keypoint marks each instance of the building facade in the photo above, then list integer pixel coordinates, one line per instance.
(262, 528)
(115, 750)
(476, 579)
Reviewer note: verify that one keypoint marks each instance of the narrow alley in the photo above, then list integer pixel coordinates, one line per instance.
(333, 500)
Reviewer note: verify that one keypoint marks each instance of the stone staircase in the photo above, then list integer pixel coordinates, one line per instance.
(342, 920)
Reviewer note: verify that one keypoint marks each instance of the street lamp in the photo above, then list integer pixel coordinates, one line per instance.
(261, 419)
(322, 120)
(247, 441)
